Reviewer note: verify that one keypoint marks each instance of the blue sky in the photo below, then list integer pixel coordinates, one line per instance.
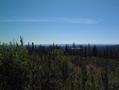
(60, 21)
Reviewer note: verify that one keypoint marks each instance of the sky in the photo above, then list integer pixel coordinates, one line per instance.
(60, 21)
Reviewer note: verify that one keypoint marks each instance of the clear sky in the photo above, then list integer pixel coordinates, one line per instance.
(60, 21)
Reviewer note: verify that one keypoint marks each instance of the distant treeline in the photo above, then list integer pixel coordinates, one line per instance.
(104, 51)
(57, 67)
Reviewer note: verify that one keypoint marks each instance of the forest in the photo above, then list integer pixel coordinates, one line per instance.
(58, 67)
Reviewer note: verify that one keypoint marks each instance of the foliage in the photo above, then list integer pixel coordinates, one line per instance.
(31, 67)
